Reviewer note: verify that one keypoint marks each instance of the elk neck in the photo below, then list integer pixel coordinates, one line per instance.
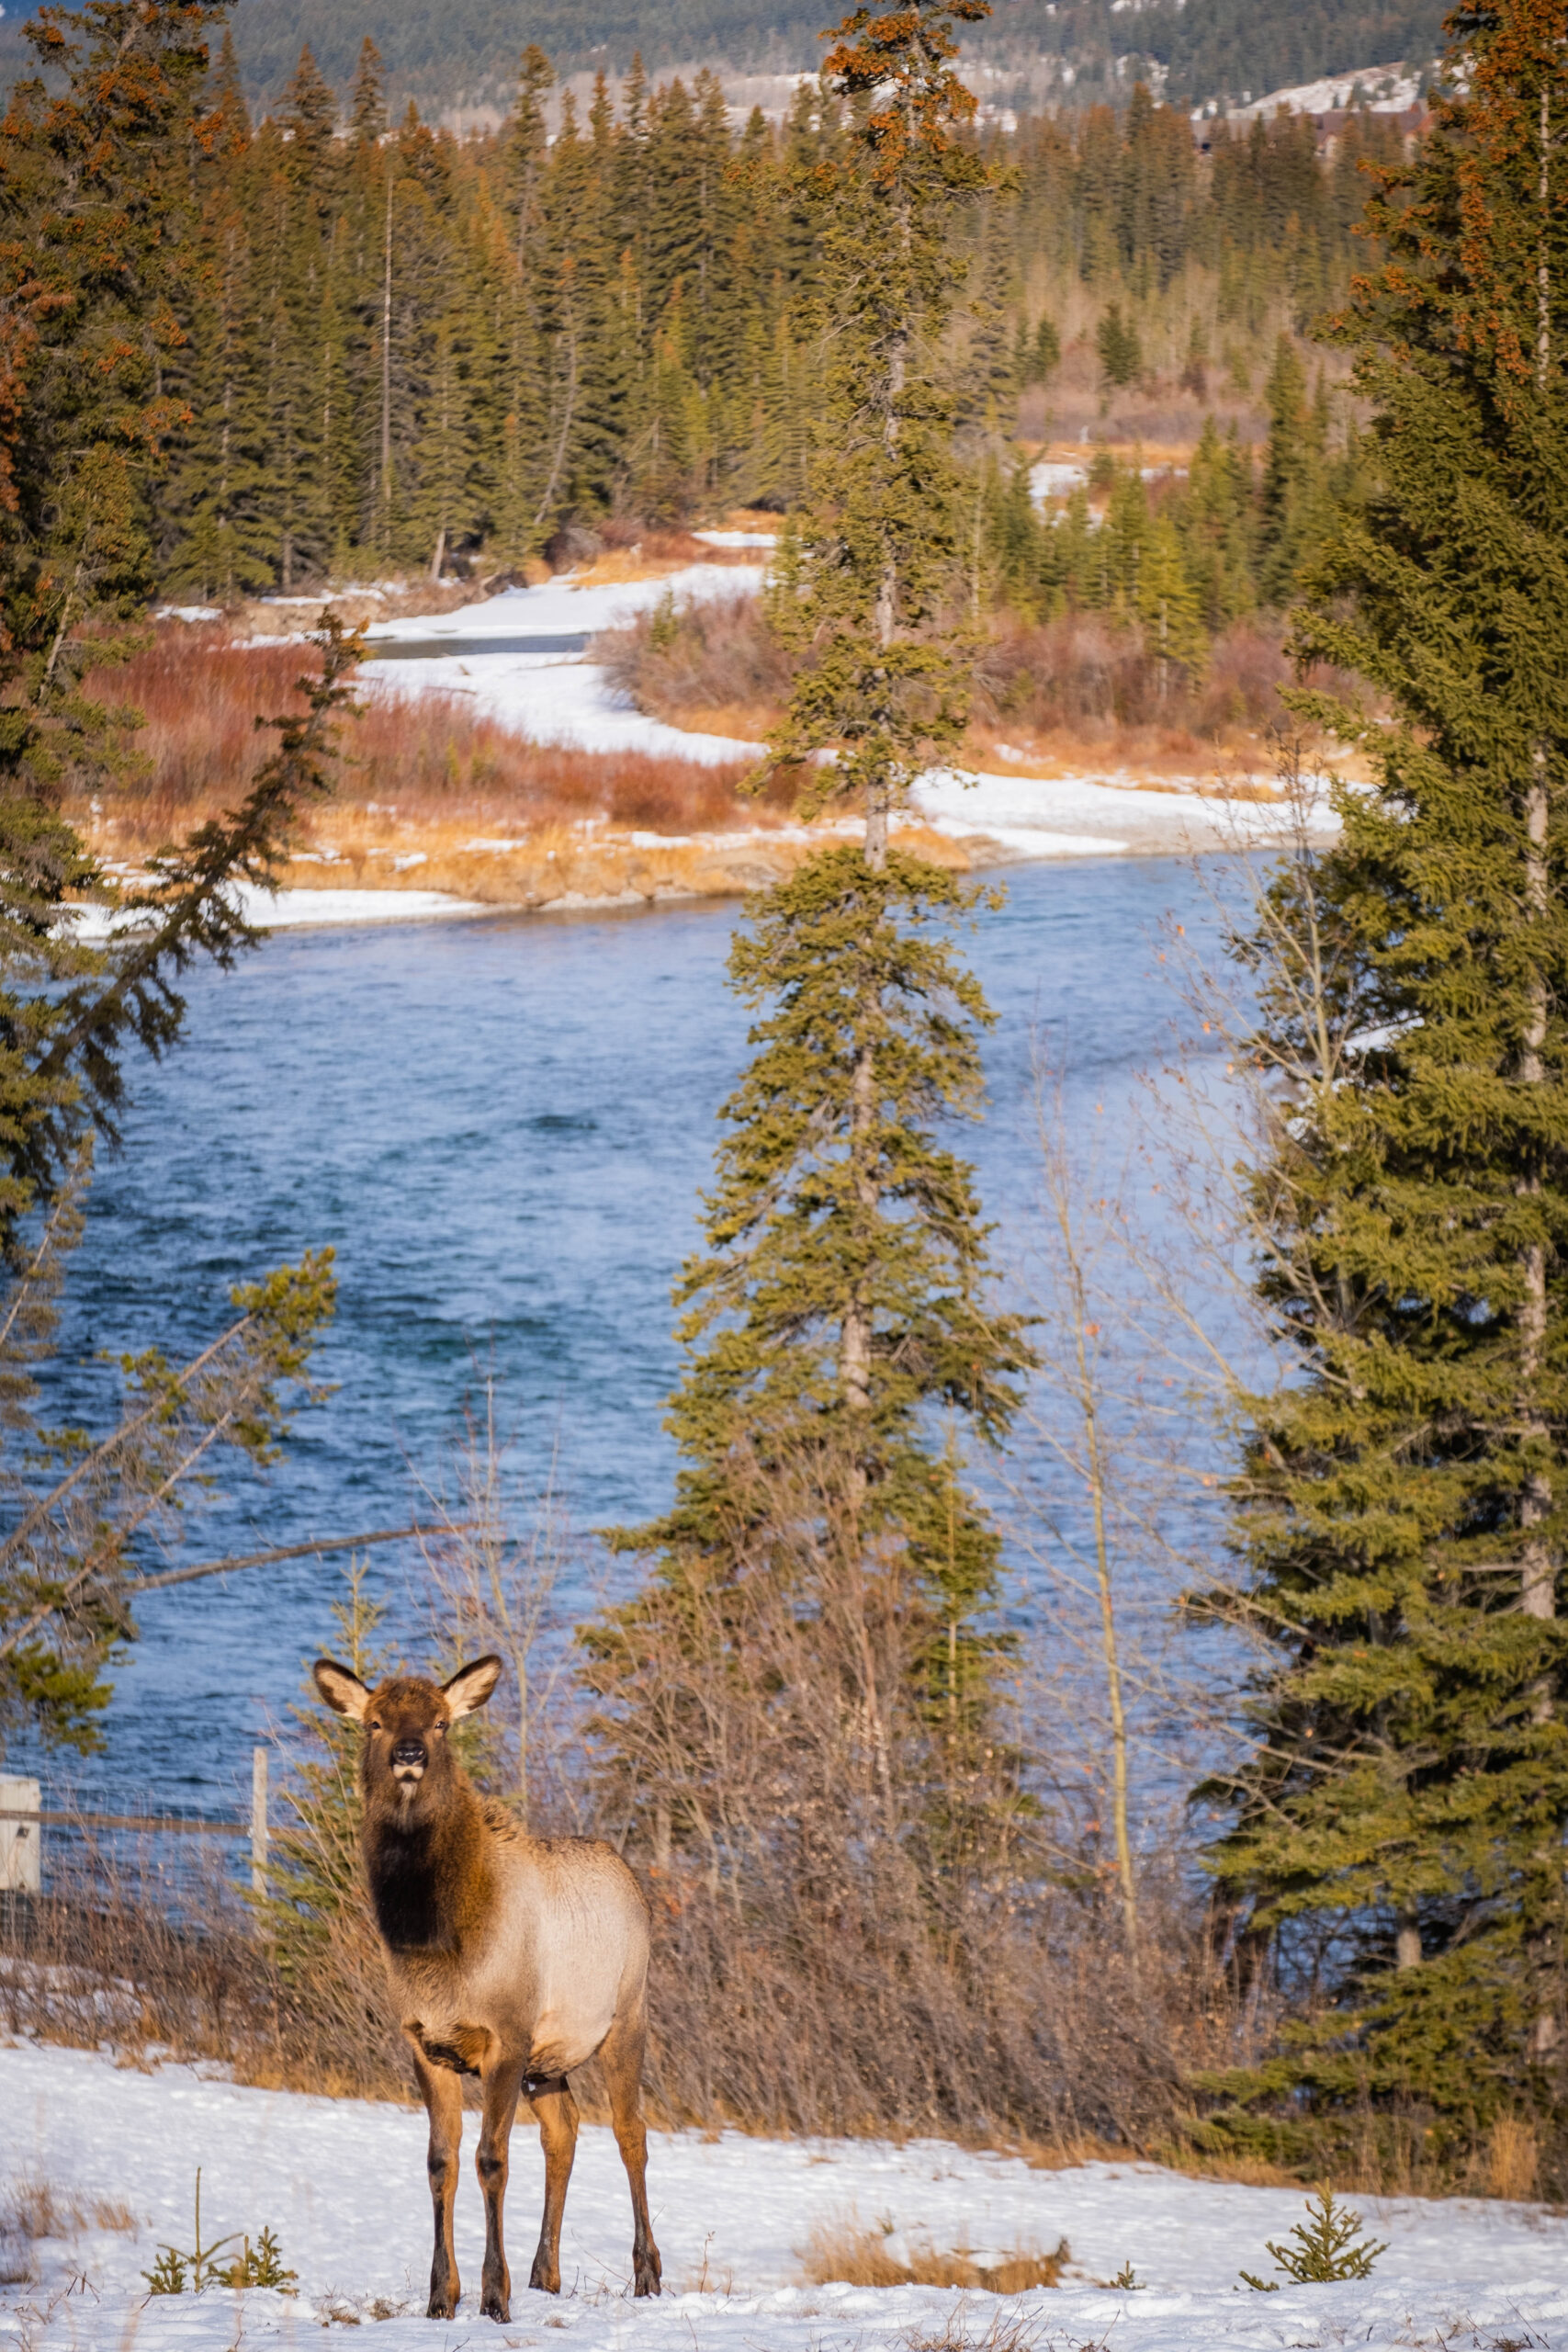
(428, 1865)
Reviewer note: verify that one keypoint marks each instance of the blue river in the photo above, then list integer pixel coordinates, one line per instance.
(503, 1127)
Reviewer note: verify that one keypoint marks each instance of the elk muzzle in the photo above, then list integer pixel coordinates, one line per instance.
(409, 1760)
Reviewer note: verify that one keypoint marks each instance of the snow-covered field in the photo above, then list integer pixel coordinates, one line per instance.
(342, 2185)
(560, 697)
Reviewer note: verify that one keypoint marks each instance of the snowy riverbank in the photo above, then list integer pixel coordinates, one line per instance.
(558, 695)
(342, 2183)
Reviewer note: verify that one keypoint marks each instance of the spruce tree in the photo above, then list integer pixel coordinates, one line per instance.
(1294, 495)
(1400, 1820)
(842, 1304)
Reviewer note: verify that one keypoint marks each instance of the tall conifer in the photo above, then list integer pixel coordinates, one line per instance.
(1404, 1506)
(842, 1302)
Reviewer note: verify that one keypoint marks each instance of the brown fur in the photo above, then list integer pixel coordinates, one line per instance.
(512, 1958)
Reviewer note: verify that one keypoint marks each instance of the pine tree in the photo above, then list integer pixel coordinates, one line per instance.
(1403, 1506)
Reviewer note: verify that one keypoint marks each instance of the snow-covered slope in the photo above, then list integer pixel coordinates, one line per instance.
(342, 2185)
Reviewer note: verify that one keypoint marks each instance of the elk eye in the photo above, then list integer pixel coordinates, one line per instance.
(375, 1726)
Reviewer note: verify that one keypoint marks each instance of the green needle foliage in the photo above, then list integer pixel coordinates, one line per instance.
(1399, 1826)
(1327, 2246)
(818, 1623)
(865, 582)
(101, 160)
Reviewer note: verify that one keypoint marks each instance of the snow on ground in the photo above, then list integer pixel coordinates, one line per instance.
(569, 607)
(288, 910)
(342, 2183)
(551, 699)
(1034, 816)
(567, 700)
(1385, 89)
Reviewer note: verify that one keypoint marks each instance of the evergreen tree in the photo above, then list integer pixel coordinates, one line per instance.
(843, 1300)
(1167, 606)
(368, 103)
(1402, 1506)
(1121, 351)
(1294, 503)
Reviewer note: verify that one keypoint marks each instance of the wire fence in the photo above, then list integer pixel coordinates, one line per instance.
(26, 1821)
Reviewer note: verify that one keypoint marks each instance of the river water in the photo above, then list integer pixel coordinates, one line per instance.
(501, 1127)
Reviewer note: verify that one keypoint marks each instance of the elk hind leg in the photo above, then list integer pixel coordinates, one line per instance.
(443, 2095)
(552, 2102)
(502, 2083)
(620, 2058)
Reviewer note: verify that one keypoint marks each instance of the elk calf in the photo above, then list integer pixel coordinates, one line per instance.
(512, 1958)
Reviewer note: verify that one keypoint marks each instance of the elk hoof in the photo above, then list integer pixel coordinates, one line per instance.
(645, 2274)
(442, 2307)
(495, 2306)
(545, 2282)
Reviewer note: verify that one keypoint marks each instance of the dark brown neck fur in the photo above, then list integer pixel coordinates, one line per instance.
(428, 1865)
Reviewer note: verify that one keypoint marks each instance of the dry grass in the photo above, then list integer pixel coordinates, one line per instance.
(653, 554)
(432, 797)
(1512, 2158)
(32, 2209)
(1005, 2331)
(845, 2254)
(1080, 694)
(422, 757)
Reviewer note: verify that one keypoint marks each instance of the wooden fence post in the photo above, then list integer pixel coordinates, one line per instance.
(21, 1842)
(258, 1822)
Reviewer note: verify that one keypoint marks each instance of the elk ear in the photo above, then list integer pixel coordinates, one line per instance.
(343, 1692)
(471, 1686)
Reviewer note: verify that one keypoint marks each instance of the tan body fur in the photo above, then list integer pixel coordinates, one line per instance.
(510, 1957)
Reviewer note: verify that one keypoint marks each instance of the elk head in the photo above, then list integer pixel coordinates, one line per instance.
(405, 1720)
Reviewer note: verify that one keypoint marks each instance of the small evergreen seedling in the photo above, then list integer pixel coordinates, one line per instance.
(176, 2271)
(1128, 2277)
(168, 2276)
(262, 2266)
(1325, 2248)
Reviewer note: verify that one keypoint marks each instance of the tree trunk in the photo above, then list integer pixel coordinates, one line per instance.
(387, 375)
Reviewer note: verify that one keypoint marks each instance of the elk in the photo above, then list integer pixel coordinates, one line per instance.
(513, 1957)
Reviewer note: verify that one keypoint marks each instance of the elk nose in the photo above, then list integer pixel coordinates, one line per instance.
(408, 1751)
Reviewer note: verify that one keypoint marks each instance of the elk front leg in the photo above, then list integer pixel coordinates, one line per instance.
(443, 2095)
(553, 2103)
(502, 2085)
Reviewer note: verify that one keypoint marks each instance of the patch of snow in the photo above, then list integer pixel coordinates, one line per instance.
(549, 700)
(1032, 816)
(1385, 89)
(565, 605)
(738, 538)
(187, 613)
(343, 2184)
(290, 910)
(1053, 479)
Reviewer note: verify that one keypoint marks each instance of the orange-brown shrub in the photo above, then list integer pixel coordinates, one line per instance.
(711, 656)
(426, 755)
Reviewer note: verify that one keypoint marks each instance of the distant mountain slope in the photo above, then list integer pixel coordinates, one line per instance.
(467, 50)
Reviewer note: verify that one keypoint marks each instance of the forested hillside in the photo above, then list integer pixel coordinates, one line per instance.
(467, 54)
(403, 350)
(1210, 49)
